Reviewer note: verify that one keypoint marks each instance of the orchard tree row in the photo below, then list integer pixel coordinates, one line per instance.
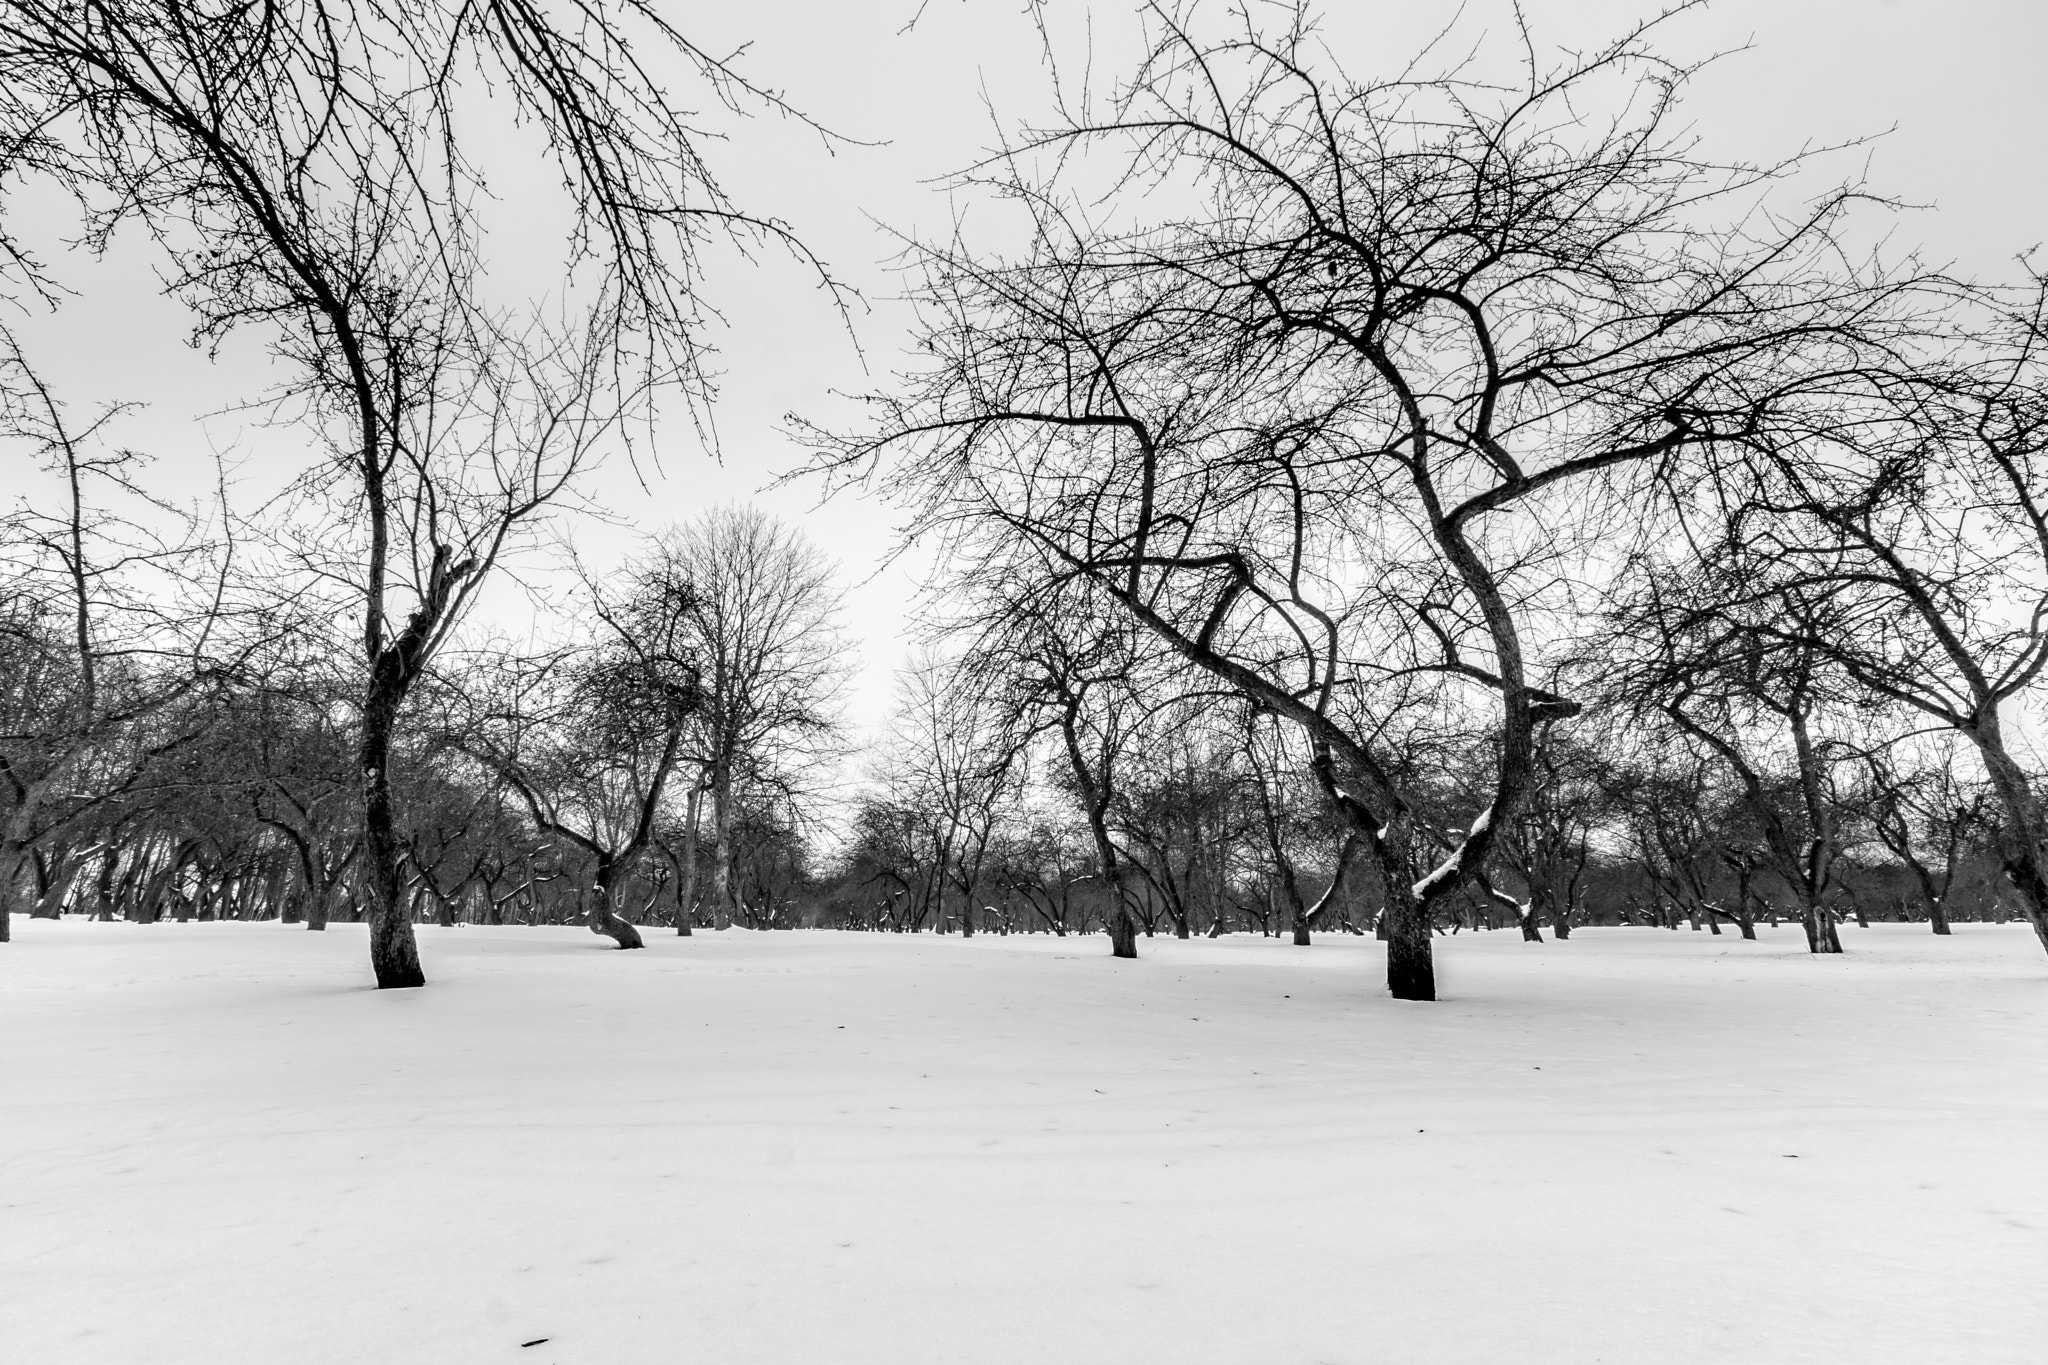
(1477, 401)
(1391, 504)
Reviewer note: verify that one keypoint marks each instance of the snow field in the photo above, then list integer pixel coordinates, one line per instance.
(1639, 1146)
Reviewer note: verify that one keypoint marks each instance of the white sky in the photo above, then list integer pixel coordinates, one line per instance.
(1957, 83)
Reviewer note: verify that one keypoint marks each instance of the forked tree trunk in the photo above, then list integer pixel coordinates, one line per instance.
(1560, 914)
(1819, 923)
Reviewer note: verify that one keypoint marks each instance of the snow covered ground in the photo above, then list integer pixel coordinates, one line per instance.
(217, 1145)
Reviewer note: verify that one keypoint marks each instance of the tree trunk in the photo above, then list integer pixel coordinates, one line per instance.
(1297, 908)
(1937, 916)
(721, 838)
(51, 887)
(394, 951)
(2024, 828)
(1821, 936)
(686, 893)
(1744, 920)
(1117, 917)
(604, 918)
(1411, 968)
(103, 886)
(1123, 931)
(11, 901)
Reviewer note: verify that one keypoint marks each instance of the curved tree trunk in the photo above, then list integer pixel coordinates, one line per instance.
(604, 918)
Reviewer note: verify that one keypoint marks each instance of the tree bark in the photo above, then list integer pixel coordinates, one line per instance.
(1404, 923)
(394, 951)
(2023, 829)
(1560, 913)
(1117, 919)
(1819, 923)
(725, 908)
(604, 918)
(1411, 970)
(11, 902)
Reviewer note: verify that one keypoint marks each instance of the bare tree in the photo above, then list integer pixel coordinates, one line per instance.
(1912, 497)
(1276, 787)
(1765, 704)
(1925, 814)
(590, 739)
(1334, 382)
(763, 619)
(108, 624)
(952, 767)
(311, 169)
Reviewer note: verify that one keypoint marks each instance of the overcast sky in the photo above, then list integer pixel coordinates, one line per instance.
(1955, 87)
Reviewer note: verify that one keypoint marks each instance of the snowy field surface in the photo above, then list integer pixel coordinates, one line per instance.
(217, 1145)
